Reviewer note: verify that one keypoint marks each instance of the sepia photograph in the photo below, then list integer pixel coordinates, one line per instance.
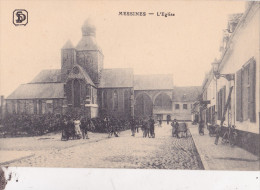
(170, 85)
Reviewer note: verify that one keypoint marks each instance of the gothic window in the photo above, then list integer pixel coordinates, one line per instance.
(126, 100)
(105, 98)
(115, 100)
(35, 106)
(88, 91)
(76, 89)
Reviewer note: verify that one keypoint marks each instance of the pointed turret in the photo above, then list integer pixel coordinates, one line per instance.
(68, 45)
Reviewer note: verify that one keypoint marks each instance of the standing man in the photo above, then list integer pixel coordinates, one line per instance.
(132, 125)
(175, 126)
(151, 123)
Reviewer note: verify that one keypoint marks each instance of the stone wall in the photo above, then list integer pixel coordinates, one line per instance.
(109, 106)
(39, 106)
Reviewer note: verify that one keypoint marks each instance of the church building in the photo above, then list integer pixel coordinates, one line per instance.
(84, 86)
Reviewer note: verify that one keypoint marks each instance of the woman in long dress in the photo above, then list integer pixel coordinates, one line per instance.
(77, 127)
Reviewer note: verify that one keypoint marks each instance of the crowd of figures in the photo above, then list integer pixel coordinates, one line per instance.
(76, 127)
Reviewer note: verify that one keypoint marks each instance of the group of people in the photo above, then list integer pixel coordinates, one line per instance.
(147, 126)
(76, 128)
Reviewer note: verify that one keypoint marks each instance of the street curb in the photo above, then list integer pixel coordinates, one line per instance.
(203, 160)
(15, 160)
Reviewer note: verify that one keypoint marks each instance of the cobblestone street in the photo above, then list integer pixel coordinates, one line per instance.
(162, 152)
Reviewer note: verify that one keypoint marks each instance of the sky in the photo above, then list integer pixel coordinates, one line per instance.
(184, 45)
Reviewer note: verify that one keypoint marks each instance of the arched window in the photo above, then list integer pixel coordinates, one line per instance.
(76, 93)
(105, 99)
(115, 100)
(126, 100)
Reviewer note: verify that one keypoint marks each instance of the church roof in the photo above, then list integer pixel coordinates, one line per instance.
(186, 94)
(88, 43)
(153, 82)
(38, 91)
(52, 75)
(68, 45)
(116, 78)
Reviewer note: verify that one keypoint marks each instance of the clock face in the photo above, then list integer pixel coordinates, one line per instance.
(76, 70)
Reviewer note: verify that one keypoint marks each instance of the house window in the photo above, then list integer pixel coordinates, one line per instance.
(245, 92)
(115, 100)
(177, 106)
(185, 106)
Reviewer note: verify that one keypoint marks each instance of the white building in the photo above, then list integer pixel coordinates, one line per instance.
(240, 58)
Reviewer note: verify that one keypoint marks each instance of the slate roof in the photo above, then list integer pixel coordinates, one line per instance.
(88, 43)
(45, 76)
(116, 78)
(38, 91)
(153, 82)
(186, 94)
(68, 45)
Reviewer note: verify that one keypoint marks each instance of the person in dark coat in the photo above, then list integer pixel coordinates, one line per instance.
(175, 126)
(132, 125)
(151, 124)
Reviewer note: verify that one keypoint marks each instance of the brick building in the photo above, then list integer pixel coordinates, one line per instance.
(83, 86)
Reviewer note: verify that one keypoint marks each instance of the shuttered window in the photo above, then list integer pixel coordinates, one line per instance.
(221, 102)
(239, 113)
(245, 92)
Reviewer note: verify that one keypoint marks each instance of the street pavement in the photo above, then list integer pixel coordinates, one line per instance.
(125, 151)
(222, 156)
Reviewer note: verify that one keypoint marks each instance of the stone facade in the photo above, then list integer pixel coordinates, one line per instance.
(82, 86)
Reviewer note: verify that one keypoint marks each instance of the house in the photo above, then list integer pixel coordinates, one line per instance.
(232, 86)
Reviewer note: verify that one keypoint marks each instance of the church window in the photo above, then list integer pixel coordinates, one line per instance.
(105, 98)
(126, 100)
(88, 90)
(115, 100)
(35, 106)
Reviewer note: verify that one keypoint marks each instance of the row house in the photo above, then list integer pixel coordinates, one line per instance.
(234, 80)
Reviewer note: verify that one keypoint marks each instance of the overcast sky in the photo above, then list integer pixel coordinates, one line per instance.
(183, 45)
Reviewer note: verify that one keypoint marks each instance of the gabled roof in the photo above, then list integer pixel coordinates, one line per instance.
(81, 75)
(38, 91)
(116, 78)
(53, 75)
(88, 43)
(153, 82)
(186, 94)
(68, 45)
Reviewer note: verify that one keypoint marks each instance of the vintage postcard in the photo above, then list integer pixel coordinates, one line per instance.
(131, 84)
